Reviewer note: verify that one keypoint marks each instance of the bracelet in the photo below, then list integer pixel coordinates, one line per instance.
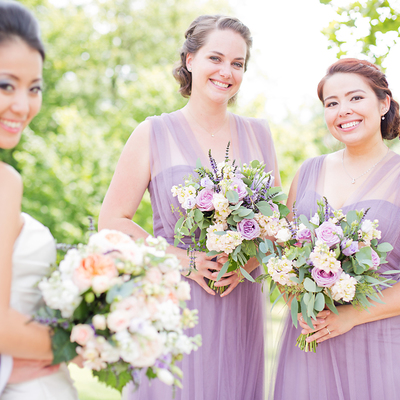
(190, 271)
(192, 256)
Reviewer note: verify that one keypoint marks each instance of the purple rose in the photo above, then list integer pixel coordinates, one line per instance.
(204, 200)
(303, 235)
(325, 279)
(249, 229)
(329, 233)
(376, 261)
(207, 183)
(349, 249)
(239, 187)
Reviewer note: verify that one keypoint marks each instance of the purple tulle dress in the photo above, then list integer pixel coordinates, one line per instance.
(230, 363)
(364, 363)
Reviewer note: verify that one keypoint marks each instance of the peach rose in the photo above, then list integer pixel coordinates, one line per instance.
(81, 334)
(118, 320)
(91, 266)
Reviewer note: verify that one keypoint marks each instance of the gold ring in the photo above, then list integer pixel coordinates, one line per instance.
(329, 332)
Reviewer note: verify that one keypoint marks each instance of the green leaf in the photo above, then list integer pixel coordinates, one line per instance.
(249, 248)
(310, 306)
(384, 247)
(310, 285)
(319, 302)
(178, 224)
(220, 233)
(236, 218)
(246, 275)
(236, 206)
(223, 271)
(81, 312)
(304, 314)
(121, 291)
(280, 197)
(232, 196)
(255, 163)
(265, 208)
(294, 310)
(114, 375)
(351, 216)
(283, 210)
(198, 215)
(213, 253)
(364, 256)
(306, 222)
(63, 349)
(243, 212)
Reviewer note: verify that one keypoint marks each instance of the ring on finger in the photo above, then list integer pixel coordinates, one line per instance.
(329, 332)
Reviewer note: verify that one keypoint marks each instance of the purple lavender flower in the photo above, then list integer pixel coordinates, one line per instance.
(349, 247)
(249, 229)
(325, 279)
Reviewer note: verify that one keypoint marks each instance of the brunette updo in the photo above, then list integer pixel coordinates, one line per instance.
(16, 22)
(376, 79)
(196, 37)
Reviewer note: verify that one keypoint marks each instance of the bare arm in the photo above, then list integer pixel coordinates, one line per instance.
(130, 180)
(17, 338)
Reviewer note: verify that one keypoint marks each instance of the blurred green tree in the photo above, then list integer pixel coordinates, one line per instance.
(372, 25)
(108, 67)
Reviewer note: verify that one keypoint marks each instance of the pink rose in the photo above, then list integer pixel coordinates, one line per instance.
(329, 233)
(239, 187)
(376, 261)
(154, 275)
(303, 235)
(81, 334)
(118, 320)
(249, 229)
(204, 200)
(325, 279)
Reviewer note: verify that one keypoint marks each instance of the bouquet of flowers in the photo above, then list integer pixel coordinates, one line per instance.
(329, 258)
(230, 209)
(120, 304)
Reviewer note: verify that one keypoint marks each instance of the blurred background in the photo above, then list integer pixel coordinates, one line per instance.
(109, 66)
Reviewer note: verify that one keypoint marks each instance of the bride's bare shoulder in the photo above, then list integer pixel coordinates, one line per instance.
(9, 178)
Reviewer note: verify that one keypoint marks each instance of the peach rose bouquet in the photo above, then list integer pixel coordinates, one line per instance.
(120, 304)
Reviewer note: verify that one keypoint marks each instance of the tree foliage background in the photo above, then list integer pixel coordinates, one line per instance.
(108, 67)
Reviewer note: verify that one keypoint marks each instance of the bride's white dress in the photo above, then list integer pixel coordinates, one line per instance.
(34, 251)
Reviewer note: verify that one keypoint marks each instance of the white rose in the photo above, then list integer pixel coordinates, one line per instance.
(100, 284)
(366, 226)
(165, 376)
(283, 235)
(99, 322)
(315, 219)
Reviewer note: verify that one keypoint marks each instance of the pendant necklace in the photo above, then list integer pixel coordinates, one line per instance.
(201, 126)
(353, 180)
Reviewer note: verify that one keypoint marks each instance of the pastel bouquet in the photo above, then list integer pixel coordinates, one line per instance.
(229, 209)
(120, 304)
(331, 258)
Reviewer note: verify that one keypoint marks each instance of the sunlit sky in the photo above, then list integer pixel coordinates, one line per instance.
(291, 54)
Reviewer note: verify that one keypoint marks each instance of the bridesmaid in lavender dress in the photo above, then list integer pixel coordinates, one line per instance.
(358, 355)
(159, 154)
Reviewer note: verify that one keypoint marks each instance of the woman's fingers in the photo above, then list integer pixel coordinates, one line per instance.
(204, 285)
(230, 288)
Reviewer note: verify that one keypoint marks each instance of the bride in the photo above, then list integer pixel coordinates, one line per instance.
(26, 247)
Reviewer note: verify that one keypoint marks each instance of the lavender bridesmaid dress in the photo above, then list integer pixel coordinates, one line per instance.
(364, 363)
(230, 363)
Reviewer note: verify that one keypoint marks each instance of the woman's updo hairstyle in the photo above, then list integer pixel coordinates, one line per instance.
(196, 37)
(16, 22)
(376, 79)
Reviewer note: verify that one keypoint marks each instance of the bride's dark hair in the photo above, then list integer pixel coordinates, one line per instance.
(376, 79)
(196, 37)
(16, 22)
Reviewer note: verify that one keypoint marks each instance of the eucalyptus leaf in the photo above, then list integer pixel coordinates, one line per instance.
(247, 275)
(294, 310)
(232, 196)
(310, 285)
(351, 216)
(319, 302)
(198, 215)
(384, 247)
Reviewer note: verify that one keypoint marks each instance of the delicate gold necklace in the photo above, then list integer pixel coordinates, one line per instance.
(206, 130)
(353, 180)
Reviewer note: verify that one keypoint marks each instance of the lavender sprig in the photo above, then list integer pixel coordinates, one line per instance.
(327, 209)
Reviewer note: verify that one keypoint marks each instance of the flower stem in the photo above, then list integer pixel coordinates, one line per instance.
(302, 344)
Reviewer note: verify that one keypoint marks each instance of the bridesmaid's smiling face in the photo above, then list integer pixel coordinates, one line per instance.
(218, 66)
(352, 110)
(20, 89)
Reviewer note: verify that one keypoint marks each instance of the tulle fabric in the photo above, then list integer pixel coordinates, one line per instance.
(364, 363)
(230, 363)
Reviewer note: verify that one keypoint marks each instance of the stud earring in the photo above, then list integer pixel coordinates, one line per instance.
(189, 69)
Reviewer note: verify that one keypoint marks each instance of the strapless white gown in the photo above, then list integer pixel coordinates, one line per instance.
(34, 251)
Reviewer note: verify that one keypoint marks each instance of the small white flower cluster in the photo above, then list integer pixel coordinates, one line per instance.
(281, 270)
(136, 329)
(344, 288)
(221, 205)
(186, 195)
(270, 226)
(324, 259)
(368, 231)
(226, 243)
